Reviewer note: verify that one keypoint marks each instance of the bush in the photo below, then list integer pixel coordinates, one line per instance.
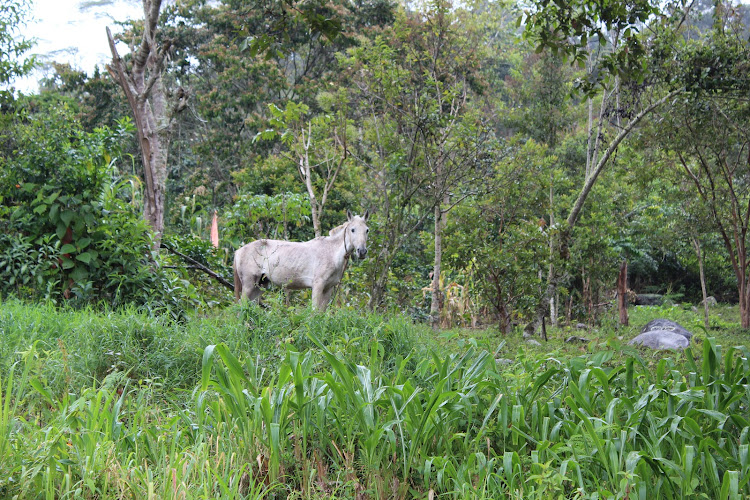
(70, 226)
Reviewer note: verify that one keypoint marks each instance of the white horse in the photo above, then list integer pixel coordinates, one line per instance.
(318, 264)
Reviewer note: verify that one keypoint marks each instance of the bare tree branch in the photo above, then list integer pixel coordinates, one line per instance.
(199, 266)
(575, 212)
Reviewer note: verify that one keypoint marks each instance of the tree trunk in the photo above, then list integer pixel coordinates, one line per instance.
(744, 302)
(305, 172)
(436, 306)
(385, 258)
(622, 293)
(551, 291)
(504, 324)
(143, 88)
(586, 295)
(304, 169)
(589, 128)
(704, 291)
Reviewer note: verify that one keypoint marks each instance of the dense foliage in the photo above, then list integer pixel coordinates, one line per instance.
(505, 183)
(70, 228)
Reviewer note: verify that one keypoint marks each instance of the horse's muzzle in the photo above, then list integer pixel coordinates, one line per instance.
(361, 253)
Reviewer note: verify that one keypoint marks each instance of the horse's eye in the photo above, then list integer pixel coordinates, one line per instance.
(352, 229)
(368, 230)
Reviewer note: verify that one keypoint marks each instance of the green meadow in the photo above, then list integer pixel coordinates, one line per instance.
(287, 403)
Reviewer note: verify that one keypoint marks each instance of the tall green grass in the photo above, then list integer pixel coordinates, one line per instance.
(285, 403)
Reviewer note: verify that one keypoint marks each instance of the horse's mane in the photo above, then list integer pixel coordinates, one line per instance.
(336, 229)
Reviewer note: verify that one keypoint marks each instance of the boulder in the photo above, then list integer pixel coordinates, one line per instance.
(574, 338)
(666, 325)
(649, 299)
(711, 301)
(661, 339)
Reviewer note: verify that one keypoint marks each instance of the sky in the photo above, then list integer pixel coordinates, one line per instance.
(74, 31)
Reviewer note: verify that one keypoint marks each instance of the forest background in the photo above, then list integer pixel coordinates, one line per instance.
(514, 155)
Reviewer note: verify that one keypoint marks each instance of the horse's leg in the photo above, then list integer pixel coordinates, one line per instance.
(254, 292)
(321, 294)
(251, 289)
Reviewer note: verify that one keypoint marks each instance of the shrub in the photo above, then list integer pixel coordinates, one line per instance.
(70, 227)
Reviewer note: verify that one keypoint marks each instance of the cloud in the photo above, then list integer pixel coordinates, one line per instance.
(73, 32)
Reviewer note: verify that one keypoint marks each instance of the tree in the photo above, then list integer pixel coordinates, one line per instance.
(232, 83)
(316, 148)
(69, 229)
(418, 140)
(13, 46)
(708, 133)
(143, 86)
(501, 234)
(541, 110)
(453, 144)
(608, 36)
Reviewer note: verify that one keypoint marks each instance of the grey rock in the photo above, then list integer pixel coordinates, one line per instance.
(661, 339)
(711, 301)
(582, 326)
(573, 338)
(533, 342)
(649, 299)
(666, 325)
(504, 361)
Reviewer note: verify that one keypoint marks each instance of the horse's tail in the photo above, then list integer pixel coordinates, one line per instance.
(237, 281)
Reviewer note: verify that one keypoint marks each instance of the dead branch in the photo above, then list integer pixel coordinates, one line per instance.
(198, 265)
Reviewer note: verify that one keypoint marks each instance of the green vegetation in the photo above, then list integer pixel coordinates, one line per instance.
(285, 403)
(507, 188)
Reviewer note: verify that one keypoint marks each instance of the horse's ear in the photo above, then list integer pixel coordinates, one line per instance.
(348, 215)
(367, 215)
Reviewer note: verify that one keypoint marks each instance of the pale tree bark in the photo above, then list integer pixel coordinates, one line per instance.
(554, 276)
(305, 173)
(591, 180)
(622, 293)
(588, 135)
(143, 87)
(592, 147)
(332, 164)
(438, 297)
(551, 270)
(699, 254)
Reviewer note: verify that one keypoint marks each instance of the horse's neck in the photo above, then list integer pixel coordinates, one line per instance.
(336, 230)
(337, 240)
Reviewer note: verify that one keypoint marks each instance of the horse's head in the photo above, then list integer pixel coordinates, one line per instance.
(355, 238)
